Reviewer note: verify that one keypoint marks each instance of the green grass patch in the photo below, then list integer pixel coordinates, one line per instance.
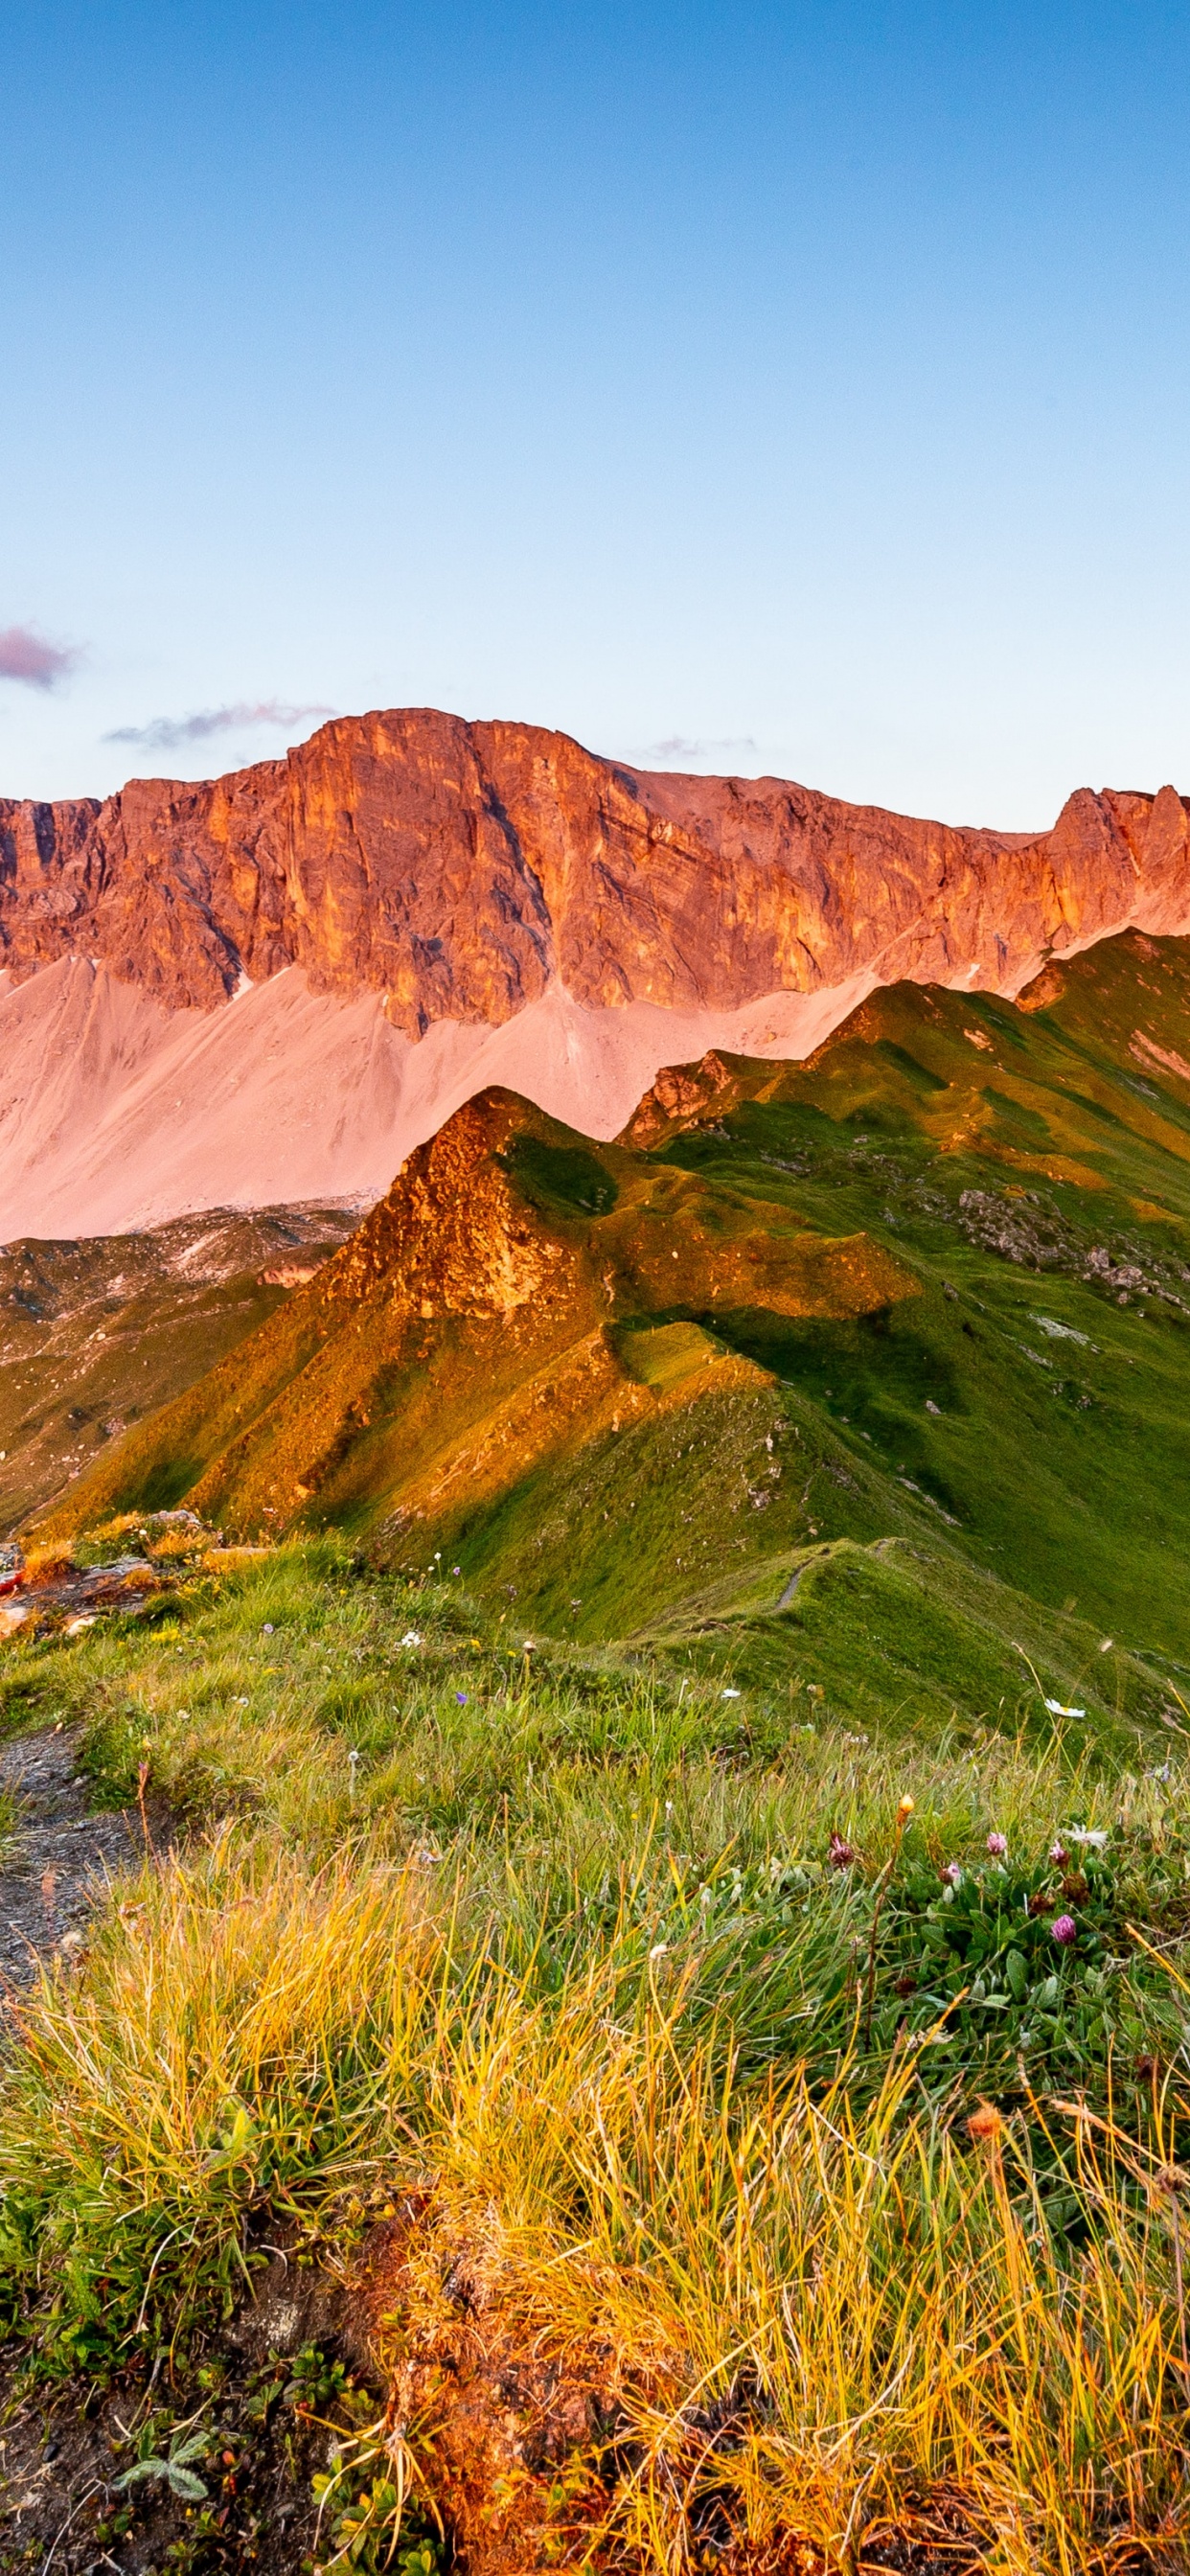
(610, 1964)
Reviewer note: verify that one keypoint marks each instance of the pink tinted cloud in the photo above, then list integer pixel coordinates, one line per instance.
(679, 746)
(171, 733)
(27, 656)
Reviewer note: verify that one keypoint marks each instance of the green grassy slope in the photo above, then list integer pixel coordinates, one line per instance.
(653, 2024)
(914, 1316)
(1038, 1184)
(1025, 1414)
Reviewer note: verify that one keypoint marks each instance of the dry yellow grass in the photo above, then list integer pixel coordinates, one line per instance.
(834, 2312)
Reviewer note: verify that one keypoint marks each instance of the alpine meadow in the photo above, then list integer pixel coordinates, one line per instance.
(598, 1861)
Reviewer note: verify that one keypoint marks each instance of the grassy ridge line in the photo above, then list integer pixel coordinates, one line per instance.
(562, 1949)
(1025, 1409)
(449, 1325)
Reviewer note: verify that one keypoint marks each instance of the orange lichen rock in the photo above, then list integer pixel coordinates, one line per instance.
(682, 1095)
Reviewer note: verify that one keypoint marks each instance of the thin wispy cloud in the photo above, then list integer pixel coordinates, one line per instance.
(172, 733)
(29, 658)
(678, 746)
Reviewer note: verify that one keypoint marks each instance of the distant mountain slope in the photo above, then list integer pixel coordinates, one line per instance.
(115, 1113)
(97, 1334)
(459, 904)
(929, 1291)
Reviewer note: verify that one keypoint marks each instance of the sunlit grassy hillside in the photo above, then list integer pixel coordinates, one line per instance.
(624, 2034)
(673, 1902)
(931, 1288)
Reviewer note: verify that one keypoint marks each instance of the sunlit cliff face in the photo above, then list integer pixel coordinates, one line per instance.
(272, 986)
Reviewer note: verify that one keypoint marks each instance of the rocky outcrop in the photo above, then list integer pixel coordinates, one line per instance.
(453, 1237)
(462, 870)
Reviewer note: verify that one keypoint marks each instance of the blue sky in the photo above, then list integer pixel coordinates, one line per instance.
(802, 389)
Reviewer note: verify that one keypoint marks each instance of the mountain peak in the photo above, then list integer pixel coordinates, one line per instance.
(459, 869)
(453, 1236)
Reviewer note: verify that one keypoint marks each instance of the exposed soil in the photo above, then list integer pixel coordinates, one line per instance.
(265, 2430)
(529, 2445)
(796, 1576)
(61, 1856)
(526, 2449)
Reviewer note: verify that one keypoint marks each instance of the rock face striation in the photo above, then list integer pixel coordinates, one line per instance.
(493, 903)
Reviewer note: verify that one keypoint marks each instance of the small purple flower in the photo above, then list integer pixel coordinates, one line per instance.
(461, 1697)
(951, 1874)
(1059, 1855)
(997, 1845)
(1065, 1930)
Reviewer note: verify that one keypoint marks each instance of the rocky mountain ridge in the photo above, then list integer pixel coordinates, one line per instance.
(462, 869)
(272, 987)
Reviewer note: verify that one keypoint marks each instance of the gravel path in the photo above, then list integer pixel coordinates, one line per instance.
(59, 1857)
(798, 1571)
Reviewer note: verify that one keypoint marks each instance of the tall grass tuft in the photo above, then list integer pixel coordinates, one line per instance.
(670, 2025)
(823, 2308)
